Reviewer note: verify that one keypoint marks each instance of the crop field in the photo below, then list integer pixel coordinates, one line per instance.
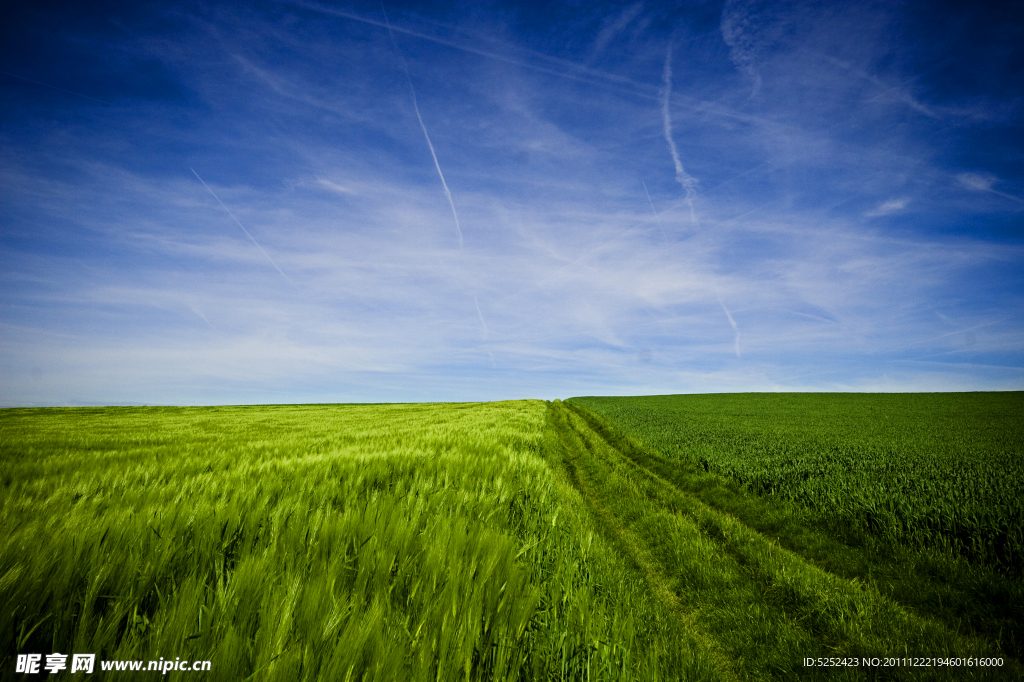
(920, 496)
(929, 469)
(518, 540)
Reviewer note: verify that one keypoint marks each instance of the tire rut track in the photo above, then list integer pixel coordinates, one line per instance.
(634, 548)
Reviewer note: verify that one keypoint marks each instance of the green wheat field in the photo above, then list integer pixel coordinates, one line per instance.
(691, 537)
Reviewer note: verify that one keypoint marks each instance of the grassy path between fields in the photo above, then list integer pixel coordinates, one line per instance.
(757, 608)
(638, 553)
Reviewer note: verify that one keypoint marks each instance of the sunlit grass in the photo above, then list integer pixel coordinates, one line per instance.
(488, 541)
(317, 542)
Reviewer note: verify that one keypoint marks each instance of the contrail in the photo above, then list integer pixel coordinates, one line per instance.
(900, 95)
(591, 76)
(416, 106)
(243, 229)
(687, 181)
(487, 332)
(54, 87)
(658, 217)
(198, 312)
(733, 323)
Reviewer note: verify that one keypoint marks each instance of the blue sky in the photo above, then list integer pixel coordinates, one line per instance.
(280, 202)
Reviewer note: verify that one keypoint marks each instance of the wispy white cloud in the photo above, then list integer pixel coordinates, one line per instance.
(888, 207)
(983, 182)
(126, 294)
(739, 28)
(334, 187)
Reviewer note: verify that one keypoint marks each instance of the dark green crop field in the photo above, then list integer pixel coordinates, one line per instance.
(920, 496)
(520, 540)
(931, 469)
